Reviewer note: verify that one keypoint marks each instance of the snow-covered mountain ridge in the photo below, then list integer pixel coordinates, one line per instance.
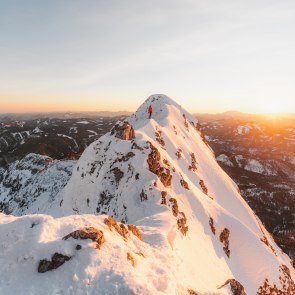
(198, 234)
(31, 185)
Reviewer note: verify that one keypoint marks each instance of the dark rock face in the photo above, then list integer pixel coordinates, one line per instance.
(155, 167)
(118, 174)
(143, 196)
(181, 218)
(224, 238)
(204, 187)
(88, 233)
(193, 166)
(184, 184)
(181, 223)
(175, 210)
(236, 287)
(211, 223)
(56, 261)
(123, 130)
(159, 138)
(164, 198)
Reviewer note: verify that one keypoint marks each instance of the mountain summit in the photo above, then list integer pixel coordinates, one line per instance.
(147, 210)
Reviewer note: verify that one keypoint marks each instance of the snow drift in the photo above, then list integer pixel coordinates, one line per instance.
(182, 226)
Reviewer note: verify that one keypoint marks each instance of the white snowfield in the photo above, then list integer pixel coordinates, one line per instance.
(197, 231)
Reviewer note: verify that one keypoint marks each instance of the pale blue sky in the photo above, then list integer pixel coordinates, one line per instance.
(210, 56)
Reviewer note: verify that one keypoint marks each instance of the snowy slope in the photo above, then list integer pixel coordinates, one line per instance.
(197, 231)
(32, 184)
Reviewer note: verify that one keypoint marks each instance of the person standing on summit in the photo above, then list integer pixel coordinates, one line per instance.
(150, 111)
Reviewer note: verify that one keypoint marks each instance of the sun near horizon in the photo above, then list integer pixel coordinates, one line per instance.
(209, 57)
(272, 108)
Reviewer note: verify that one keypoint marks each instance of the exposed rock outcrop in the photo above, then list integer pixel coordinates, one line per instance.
(56, 261)
(123, 130)
(122, 229)
(193, 166)
(164, 198)
(181, 218)
(235, 286)
(211, 223)
(155, 167)
(203, 186)
(178, 153)
(224, 238)
(88, 233)
(119, 227)
(135, 231)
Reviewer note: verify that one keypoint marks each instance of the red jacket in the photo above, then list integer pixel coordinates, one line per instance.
(150, 109)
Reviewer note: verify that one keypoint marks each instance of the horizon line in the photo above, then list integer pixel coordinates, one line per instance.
(131, 112)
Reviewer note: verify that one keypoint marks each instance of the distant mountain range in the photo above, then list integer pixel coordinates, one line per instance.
(62, 115)
(75, 115)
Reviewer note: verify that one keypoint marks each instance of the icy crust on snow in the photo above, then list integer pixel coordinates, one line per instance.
(197, 231)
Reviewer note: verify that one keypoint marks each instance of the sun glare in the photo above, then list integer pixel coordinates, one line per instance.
(272, 107)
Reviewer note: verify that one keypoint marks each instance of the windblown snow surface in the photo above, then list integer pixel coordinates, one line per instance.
(197, 231)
